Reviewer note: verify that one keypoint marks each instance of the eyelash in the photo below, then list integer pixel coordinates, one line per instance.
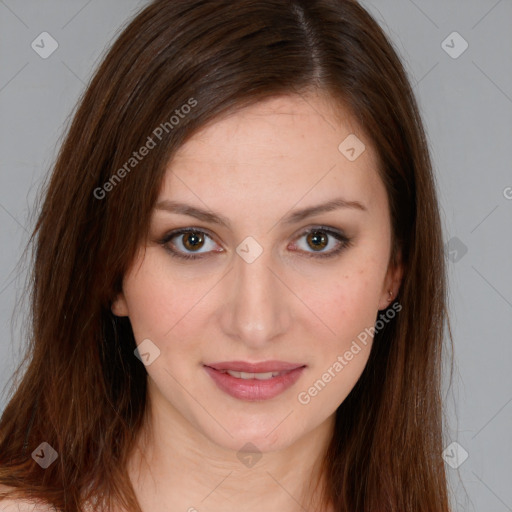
(345, 242)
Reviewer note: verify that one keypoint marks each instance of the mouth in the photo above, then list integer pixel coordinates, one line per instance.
(254, 381)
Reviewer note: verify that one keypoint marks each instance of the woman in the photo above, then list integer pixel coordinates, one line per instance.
(239, 284)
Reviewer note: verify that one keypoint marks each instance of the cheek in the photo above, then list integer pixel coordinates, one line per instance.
(347, 304)
(349, 309)
(164, 305)
(160, 304)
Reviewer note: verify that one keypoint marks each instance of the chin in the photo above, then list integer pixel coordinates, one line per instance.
(264, 436)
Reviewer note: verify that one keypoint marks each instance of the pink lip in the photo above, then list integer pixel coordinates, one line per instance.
(263, 367)
(254, 389)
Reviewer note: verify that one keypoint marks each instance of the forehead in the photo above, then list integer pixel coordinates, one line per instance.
(283, 148)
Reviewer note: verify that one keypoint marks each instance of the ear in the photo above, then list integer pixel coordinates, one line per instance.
(392, 282)
(119, 306)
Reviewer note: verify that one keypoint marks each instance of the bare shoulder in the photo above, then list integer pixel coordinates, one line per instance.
(22, 505)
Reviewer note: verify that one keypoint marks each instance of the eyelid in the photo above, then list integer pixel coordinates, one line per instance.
(320, 227)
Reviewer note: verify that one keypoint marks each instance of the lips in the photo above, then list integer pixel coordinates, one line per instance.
(254, 381)
(263, 367)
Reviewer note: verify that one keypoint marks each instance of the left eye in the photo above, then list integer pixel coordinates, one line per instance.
(192, 240)
(320, 239)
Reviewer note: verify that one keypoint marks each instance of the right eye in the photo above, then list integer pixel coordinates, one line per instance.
(189, 239)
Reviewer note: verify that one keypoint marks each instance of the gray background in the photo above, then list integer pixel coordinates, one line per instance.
(466, 103)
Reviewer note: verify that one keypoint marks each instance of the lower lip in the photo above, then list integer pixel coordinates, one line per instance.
(254, 389)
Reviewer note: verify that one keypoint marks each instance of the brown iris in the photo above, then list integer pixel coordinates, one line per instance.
(193, 240)
(318, 238)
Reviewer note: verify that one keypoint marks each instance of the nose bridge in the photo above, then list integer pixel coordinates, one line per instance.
(257, 309)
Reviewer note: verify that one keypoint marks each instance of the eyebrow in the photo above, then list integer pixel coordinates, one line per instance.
(291, 218)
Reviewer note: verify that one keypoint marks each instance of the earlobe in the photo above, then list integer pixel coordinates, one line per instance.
(119, 306)
(392, 285)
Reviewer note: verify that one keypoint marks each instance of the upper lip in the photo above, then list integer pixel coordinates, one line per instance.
(263, 367)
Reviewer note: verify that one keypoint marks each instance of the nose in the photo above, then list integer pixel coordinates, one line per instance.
(257, 306)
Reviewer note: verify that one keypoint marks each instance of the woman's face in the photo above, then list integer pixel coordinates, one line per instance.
(269, 285)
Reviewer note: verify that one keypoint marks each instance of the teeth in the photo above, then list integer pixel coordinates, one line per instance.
(263, 376)
(259, 376)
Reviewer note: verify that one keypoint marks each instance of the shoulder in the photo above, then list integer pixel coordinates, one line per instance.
(21, 505)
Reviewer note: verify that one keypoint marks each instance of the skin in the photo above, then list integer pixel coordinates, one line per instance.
(254, 167)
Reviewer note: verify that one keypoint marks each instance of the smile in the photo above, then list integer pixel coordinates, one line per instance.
(254, 385)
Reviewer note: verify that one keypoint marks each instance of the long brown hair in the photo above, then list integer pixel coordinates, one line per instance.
(177, 66)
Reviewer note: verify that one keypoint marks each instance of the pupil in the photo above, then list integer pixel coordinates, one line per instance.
(319, 241)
